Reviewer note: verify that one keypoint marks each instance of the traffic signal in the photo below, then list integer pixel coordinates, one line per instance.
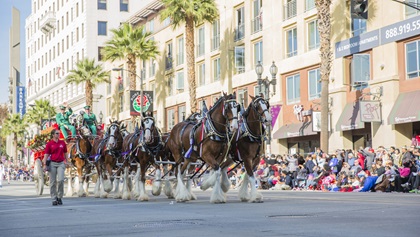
(359, 9)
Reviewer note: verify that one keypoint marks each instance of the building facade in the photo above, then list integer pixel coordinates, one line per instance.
(59, 33)
(373, 84)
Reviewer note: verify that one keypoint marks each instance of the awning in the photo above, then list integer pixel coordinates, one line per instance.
(294, 130)
(350, 118)
(406, 109)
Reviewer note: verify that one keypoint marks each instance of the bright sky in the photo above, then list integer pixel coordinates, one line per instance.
(24, 6)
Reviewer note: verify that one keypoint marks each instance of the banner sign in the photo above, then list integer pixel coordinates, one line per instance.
(275, 111)
(20, 100)
(135, 101)
(370, 111)
(391, 33)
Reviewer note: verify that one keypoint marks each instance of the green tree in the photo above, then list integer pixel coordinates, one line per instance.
(129, 43)
(16, 126)
(89, 73)
(190, 12)
(41, 110)
(324, 27)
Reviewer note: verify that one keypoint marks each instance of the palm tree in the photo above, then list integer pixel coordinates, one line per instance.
(41, 110)
(16, 126)
(324, 28)
(89, 73)
(129, 43)
(190, 12)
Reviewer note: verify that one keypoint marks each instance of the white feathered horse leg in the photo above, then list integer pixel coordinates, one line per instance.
(243, 189)
(191, 194)
(217, 195)
(157, 183)
(225, 181)
(103, 193)
(181, 192)
(117, 192)
(209, 182)
(86, 187)
(136, 190)
(69, 192)
(255, 196)
(143, 195)
(81, 191)
(96, 190)
(167, 189)
(126, 194)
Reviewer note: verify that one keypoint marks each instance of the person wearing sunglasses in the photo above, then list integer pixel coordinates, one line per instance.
(56, 152)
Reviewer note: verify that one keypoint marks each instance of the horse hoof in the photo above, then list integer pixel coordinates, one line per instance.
(244, 200)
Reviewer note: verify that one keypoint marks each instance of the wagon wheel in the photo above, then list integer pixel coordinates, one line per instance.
(39, 177)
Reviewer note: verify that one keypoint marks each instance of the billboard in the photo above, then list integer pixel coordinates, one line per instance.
(21, 100)
(135, 101)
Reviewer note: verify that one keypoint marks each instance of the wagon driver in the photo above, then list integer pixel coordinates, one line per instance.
(63, 122)
(90, 120)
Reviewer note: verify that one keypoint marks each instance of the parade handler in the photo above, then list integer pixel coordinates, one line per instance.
(62, 119)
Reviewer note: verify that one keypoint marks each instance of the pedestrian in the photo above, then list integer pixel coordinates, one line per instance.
(56, 151)
(1, 174)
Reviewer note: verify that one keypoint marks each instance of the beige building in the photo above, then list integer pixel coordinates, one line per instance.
(375, 70)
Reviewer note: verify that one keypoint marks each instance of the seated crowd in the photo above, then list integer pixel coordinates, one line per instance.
(383, 170)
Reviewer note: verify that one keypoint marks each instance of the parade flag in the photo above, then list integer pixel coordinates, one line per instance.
(275, 111)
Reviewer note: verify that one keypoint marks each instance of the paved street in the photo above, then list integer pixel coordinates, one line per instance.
(283, 213)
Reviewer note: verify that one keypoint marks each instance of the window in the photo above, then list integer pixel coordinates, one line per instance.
(243, 97)
(409, 11)
(180, 81)
(169, 59)
(180, 54)
(313, 35)
(412, 59)
(258, 52)
(289, 9)
(293, 88)
(360, 70)
(240, 59)
(216, 69)
(170, 86)
(215, 41)
(358, 26)
(166, 22)
(100, 56)
(102, 27)
(123, 5)
(152, 25)
(170, 118)
(152, 68)
(309, 5)
(201, 74)
(181, 113)
(200, 43)
(121, 104)
(240, 24)
(259, 90)
(257, 16)
(101, 4)
(291, 42)
(314, 82)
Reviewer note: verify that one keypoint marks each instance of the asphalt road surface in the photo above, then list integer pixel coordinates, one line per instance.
(283, 213)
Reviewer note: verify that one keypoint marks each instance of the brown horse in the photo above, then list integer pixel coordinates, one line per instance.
(79, 152)
(106, 152)
(247, 143)
(209, 143)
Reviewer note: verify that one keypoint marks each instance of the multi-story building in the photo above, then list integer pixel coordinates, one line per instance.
(61, 32)
(373, 84)
(14, 70)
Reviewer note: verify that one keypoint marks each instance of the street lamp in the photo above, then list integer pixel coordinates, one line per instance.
(259, 69)
(101, 116)
(141, 85)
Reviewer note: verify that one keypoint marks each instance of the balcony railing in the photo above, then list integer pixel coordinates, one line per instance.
(48, 22)
(256, 24)
(215, 42)
(239, 32)
(168, 63)
(289, 9)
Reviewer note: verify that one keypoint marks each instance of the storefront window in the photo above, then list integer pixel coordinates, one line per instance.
(412, 55)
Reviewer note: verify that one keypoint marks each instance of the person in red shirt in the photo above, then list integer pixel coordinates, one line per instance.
(56, 151)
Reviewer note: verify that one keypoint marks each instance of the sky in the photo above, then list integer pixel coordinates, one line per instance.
(24, 6)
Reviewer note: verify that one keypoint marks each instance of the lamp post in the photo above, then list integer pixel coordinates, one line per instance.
(141, 85)
(259, 69)
(101, 116)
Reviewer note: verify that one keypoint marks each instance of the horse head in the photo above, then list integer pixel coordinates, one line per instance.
(148, 125)
(262, 108)
(85, 131)
(124, 131)
(114, 134)
(230, 110)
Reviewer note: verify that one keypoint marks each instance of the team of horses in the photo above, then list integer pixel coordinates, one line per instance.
(205, 143)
